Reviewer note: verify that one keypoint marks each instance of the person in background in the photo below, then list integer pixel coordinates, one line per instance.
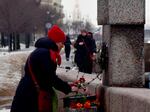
(93, 43)
(92, 47)
(84, 49)
(42, 62)
(67, 47)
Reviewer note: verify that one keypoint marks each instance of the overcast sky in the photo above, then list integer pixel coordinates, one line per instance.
(148, 12)
(89, 8)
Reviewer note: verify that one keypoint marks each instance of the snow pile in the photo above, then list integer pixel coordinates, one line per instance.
(73, 75)
(5, 110)
(10, 71)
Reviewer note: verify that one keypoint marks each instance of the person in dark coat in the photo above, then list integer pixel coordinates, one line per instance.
(92, 43)
(67, 47)
(92, 50)
(84, 52)
(43, 61)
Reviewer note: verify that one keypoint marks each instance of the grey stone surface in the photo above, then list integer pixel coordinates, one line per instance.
(121, 12)
(106, 33)
(102, 9)
(107, 100)
(126, 11)
(125, 47)
(123, 32)
(106, 39)
(115, 100)
(127, 99)
(147, 109)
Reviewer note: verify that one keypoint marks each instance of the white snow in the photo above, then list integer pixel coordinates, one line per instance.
(10, 73)
(5, 110)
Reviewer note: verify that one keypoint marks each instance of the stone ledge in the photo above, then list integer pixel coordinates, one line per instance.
(127, 99)
(71, 75)
(121, 12)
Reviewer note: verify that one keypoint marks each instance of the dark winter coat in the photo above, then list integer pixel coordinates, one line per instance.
(83, 53)
(44, 69)
(67, 46)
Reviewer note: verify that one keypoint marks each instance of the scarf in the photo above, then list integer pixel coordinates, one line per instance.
(55, 56)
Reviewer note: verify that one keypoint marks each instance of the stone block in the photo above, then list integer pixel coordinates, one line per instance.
(147, 109)
(107, 100)
(127, 99)
(106, 33)
(115, 100)
(106, 39)
(121, 12)
(102, 11)
(125, 51)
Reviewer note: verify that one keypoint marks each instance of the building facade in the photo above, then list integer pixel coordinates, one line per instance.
(55, 3)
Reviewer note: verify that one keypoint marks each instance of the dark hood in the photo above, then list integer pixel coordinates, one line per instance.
(45, 42)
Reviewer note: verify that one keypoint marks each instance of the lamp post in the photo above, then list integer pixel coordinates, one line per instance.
(47, 24)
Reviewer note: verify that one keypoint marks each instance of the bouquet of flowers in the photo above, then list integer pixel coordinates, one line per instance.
(79, 86)
(82, 101)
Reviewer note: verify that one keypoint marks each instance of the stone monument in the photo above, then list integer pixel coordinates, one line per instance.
(123, 32)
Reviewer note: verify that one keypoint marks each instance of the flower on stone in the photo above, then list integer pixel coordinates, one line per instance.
(79, 105)
(87, 104)
(82, 80)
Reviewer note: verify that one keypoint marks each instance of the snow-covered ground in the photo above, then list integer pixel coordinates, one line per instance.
(11, 66)
(5, 110)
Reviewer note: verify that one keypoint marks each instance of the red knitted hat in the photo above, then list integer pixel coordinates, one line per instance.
(56, 34)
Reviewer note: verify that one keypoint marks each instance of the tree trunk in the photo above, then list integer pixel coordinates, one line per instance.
(3, 43)
(10, 42)
(17, 41)
(27, 40)
(14, 41)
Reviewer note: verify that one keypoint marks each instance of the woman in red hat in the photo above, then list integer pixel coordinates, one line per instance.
(40, 73)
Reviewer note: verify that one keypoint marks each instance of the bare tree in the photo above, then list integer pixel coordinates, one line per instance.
(77, 26)
(24, 16)
(51, 15)
(89, 26)
(18, 16)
